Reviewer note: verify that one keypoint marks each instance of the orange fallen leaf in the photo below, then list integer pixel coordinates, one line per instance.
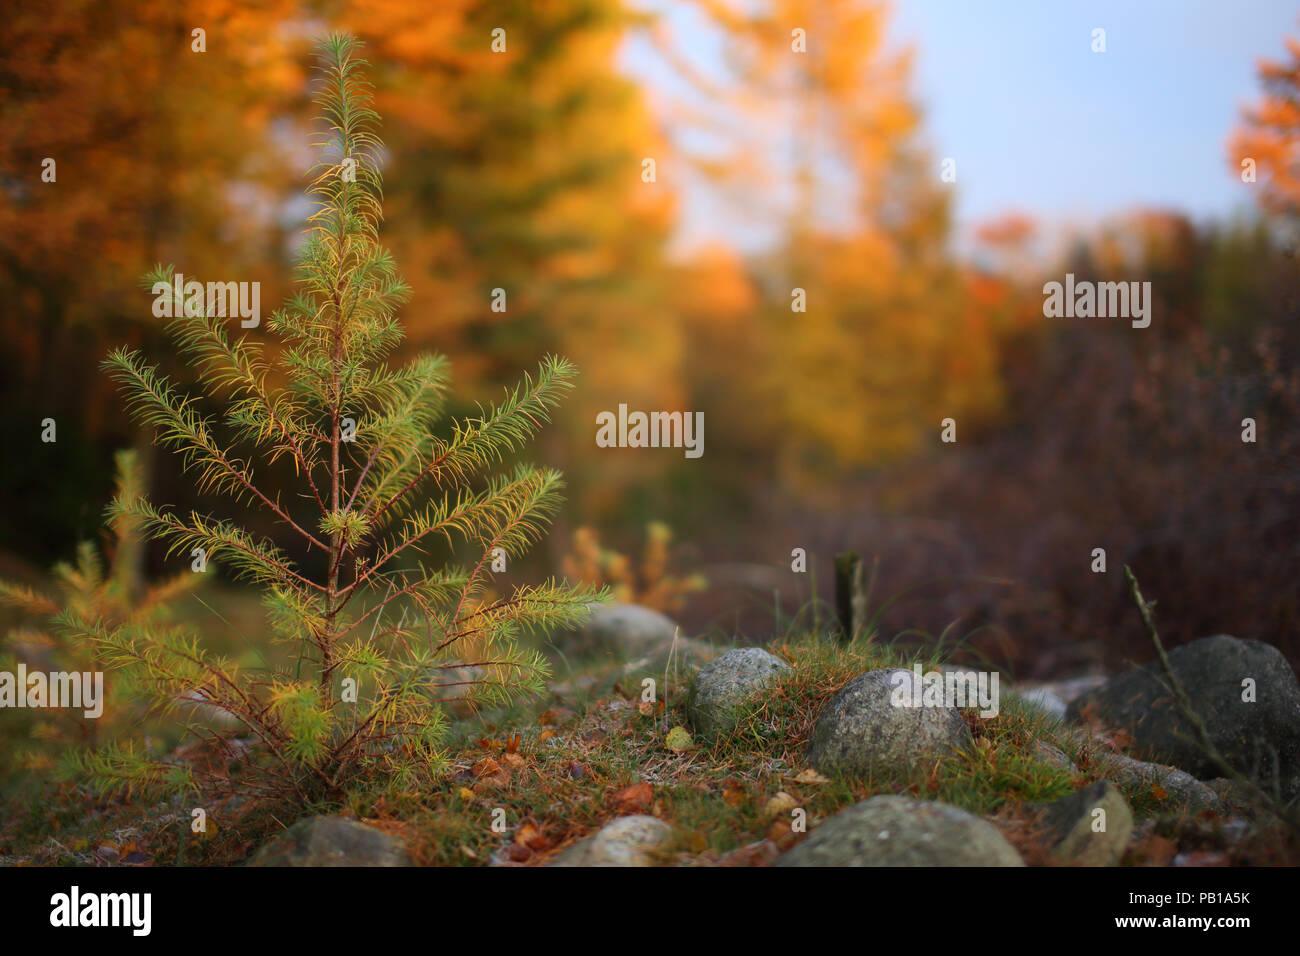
(637, 798)
(733, 795)
(490, 773)
(513, 760)
(781, 834)
(531, 836)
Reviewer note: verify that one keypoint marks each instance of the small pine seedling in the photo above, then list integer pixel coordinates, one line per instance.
(358, 708)
(96, 587)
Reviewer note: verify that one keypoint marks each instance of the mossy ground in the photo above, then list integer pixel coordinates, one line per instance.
(549, 772)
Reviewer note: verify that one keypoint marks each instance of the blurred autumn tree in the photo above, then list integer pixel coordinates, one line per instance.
(890, 341)
(517, 167)
(1270, 134)
(138, 125)
(517, 170)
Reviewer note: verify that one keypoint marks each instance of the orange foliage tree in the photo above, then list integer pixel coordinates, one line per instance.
(1270, 135)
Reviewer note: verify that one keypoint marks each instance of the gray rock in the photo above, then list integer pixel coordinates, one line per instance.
(1052, 755)
(721, 686)
(1182, 790)
(861, 729)
(1211, 670)
(1074, 687)
(680, 656)
(627, 841)
(331, 841)
(619, 630)
(1054, 697)
(1044, 699)
(900, 831)
(1079, 834)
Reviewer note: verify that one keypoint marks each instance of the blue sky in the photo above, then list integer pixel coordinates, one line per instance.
(1038, 123)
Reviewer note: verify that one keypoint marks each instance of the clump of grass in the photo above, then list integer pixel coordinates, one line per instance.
(1002, 766)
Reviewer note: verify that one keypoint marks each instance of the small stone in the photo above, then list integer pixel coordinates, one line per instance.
(627, 841)
(722, 685)
(621, 631)
(1181, 791)
(899, 831)
(1090, 827)
(1045, 700)
(861, 729)
(331, 841)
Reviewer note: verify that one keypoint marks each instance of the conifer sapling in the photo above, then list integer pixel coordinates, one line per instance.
(379, 637)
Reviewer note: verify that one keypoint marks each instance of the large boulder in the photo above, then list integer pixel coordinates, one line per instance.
(1249, 734)
(331, 841)
(627, 841)
(1090, 827)
(722, 685)
(862, 729)
(900, 831)
(618, 630)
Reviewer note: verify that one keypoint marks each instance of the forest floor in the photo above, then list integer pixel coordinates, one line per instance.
(524, 785)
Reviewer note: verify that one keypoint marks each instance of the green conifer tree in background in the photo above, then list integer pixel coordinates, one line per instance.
(377, 624)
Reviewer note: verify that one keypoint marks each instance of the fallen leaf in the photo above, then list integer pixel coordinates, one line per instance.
(781, 834)
(811, 776)
(679, 740)
(637, 798)
(513, 760)
(780, 805)
(133, 855)
(531, 836)
(490, 773)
